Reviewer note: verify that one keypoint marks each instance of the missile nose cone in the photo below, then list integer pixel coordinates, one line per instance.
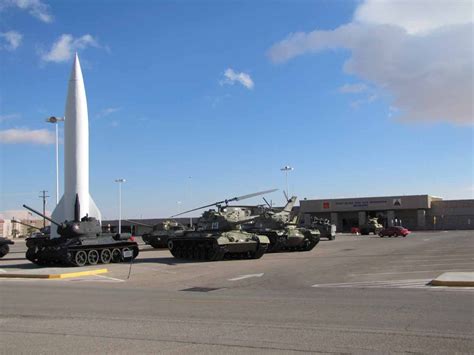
(76, 72)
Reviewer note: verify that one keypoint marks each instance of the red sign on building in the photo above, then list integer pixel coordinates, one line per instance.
(325, 204)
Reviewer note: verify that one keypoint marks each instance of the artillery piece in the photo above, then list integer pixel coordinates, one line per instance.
(218, 234)
(80, 242)
(282, 230)
(160, 232)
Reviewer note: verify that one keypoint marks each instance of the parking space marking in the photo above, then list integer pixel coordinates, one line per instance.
(246, 277)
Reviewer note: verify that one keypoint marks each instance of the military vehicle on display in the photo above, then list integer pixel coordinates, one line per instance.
(325, 228)
(282, 230)
(160, 232)
(41, 231)
(80, 242)
(4, 246)
(218, 234)
(372, 226)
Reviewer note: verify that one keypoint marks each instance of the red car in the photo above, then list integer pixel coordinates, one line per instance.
(394, 232)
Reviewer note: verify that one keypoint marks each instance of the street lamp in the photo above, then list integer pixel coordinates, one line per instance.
(55, 120)
(287, 169)
(120, 181)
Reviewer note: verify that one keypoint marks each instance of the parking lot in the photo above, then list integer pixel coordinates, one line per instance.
(354, 294)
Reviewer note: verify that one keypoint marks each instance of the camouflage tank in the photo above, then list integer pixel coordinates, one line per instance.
(5, 246)
(80, 242)
(372, 226)
(218, 235)
(282, 230)
(160, 232)
(325, 228)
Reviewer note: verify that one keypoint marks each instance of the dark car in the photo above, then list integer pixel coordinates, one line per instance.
(394, 232)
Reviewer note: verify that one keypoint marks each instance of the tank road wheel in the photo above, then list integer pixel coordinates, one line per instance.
(93, 257)
(80, 259)
(4, 249)
(105, 256)
(116, 255)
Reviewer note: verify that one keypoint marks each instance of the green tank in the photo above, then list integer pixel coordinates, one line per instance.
(219, 235)
(282, 230)
(160, 232)
(372, 226)
(80, 242)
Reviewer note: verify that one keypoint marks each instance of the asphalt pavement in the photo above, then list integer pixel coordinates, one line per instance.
(357, 294)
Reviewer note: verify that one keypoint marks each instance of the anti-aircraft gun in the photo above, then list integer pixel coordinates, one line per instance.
(80, 242)
(282, 230)
(42, 232)
(325, 228)
(218, 234)
(160, 232)
(372, 226)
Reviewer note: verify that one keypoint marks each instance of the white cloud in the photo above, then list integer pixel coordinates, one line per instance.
(230, 77)
(12, 40)
(63, 49)
(24, 135)
(107, 111)
(425, 63)
(353, 88)
(35, 8)
(418, 16)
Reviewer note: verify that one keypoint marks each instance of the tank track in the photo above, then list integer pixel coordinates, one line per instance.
(81, 255)
(207, 249)
(279, 243)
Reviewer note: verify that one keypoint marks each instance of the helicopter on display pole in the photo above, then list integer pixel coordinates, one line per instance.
(218, 234)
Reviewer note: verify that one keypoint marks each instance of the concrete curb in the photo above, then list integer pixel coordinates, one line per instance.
(55, 276)
(452, 283)
(454, 279)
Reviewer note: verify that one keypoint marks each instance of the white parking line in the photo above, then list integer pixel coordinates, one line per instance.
(246, 277)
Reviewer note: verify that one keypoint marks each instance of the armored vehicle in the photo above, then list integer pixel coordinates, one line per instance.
(80, 242)
(160, 232)
(282, 230)
(218, 234)
(4, 246)
(325, 228)
(372, 226)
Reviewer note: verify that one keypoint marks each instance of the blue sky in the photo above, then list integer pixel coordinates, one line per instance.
(358, 103)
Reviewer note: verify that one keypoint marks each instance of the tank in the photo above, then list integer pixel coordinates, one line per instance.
(160, 232)
(5, 246)
(80, 242)
(325, 228)
(282, 230)
(219, 235)
(372, 226)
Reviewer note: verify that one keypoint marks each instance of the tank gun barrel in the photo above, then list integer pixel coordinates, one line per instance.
(25, 224)
(42, 215)
(139, 223)
(238, 198)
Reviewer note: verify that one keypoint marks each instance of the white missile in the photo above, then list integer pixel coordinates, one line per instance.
(76, 153)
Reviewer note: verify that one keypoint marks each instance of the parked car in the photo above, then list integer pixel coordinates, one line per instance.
(394, 232)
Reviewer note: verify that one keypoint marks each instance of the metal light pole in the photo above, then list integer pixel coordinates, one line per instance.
(189, 197)
(120, 181)
(55, 120)
(287, 169)
(179, 206)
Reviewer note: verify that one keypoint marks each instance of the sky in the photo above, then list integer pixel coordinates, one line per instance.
(198, 101)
